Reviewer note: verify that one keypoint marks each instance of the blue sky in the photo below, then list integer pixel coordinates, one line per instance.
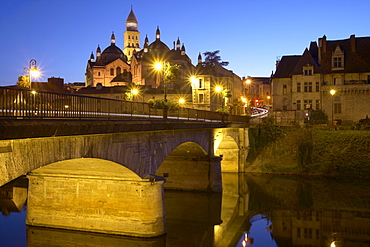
(250, 34)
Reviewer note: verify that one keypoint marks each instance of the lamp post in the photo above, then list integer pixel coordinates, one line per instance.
(332, 92)
(31, 70)
(160, 67)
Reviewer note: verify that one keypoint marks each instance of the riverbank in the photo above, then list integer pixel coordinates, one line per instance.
(310, 151)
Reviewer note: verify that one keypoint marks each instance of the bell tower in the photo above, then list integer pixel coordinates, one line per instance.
(131, 38)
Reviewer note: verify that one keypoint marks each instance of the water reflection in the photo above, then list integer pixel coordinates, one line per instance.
(313, 211)
(257, 210)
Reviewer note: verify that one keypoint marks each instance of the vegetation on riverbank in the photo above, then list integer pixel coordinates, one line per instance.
(309, 151)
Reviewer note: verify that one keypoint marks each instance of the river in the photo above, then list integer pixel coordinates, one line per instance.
(253, 210)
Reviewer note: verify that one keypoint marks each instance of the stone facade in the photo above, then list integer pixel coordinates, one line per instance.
(302, 83)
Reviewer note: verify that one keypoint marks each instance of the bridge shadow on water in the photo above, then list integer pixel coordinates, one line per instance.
(271, 210)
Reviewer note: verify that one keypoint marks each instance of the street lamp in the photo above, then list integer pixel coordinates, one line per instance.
(218, 90)
(162, 67)
(181, 101)
(134, 92)
(32, 70)
(332, 92)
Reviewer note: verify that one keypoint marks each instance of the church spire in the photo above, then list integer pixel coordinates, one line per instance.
(131, 38)
(131, 22)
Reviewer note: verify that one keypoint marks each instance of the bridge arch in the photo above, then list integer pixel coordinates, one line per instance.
(189, 167)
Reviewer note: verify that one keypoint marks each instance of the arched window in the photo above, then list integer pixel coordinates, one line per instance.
(118, 70)
(125, 72)
(111, 71)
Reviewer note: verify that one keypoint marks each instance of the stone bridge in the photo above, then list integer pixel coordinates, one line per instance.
(71, 173)
(145, 152)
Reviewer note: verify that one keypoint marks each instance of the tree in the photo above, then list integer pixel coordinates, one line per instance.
(211, 58)
(171, 74)
(24, 81)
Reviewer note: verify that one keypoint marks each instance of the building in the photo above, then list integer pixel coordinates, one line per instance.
(134, 66)
(302, 83)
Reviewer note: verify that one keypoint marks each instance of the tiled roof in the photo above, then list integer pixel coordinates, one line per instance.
(357, 61)
(286, 66)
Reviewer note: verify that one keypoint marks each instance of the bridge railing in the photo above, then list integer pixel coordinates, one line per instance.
(25, 103)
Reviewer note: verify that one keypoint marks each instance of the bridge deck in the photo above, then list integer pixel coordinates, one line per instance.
(28, 128)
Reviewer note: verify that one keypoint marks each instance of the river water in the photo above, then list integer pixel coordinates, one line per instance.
(252, 210)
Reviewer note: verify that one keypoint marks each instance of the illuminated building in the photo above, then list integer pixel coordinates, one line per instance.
(302, 83)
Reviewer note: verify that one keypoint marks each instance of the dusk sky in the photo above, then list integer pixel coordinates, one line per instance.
(250, 34)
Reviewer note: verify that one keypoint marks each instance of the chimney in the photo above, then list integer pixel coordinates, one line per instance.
(322, 47)
(352, 41)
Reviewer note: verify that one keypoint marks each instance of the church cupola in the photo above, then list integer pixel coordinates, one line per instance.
(199, 59)
(158, 33)
(92, 59)
(112, 38)
(146, 44)
(98, 52)
(178, 44)
(183, 50)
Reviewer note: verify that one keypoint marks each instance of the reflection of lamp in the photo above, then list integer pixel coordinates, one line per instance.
(332, 92)
(333, 244)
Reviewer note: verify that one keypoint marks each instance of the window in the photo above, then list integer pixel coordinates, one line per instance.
(307, 104)
(307, 72)
(307, 233)
(368, 79)
(111, 71)
(298, 105)
(118, 70)
(298, 87)
(337, 62)
(201, 98)
(298, 232)
(284, 89)
(98, 73)
(317, 105)
(317, 86)
(129, 37)
(200, 83)
(337, 108)
(308, 86)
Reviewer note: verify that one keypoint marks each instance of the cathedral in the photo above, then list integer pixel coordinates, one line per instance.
(135, 65)
(117, 70)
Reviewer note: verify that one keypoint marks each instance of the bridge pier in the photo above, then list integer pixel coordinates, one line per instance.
(95, 195)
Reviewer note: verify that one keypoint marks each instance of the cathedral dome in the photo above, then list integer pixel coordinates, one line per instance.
(112, 53)
(158, 46)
